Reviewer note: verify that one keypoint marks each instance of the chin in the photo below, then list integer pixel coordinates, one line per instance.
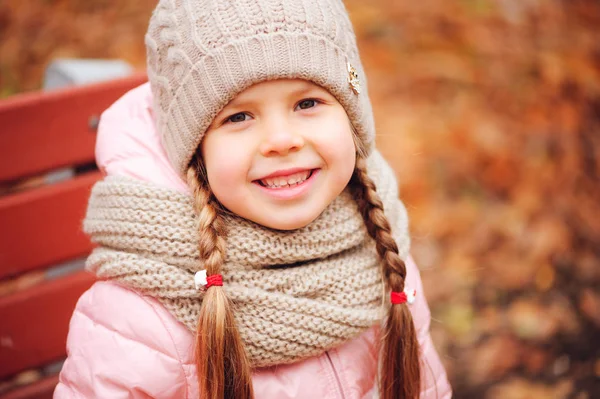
(289, 223)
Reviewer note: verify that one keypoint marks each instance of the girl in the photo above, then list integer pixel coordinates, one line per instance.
(250, 239)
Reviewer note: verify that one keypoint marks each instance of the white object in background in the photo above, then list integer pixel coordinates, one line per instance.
(65, 72)
(411, 295)
(200, 279)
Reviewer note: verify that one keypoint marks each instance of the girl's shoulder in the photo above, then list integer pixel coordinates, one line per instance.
(124, 344)
(131, 316)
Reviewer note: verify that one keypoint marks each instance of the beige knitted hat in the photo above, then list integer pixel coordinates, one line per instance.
(202, 53)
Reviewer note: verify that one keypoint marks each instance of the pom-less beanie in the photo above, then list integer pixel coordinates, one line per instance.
(202, 53)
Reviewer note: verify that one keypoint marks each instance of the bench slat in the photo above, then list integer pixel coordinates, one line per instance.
(42, 227)
(42, 389)
(45, 131)
(35, 322)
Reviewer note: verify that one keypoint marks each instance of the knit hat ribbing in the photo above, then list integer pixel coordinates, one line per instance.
(202, 53)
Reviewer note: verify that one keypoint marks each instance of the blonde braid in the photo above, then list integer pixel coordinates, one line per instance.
(209, 223)
(222, 363)
(400, 371)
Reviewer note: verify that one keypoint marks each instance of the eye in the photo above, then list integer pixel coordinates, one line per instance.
(307, 103)
(236, 118)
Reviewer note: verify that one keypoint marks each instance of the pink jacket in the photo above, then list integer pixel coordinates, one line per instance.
(122, 344)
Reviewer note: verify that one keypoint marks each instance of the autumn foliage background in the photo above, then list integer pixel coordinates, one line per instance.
(489, 111)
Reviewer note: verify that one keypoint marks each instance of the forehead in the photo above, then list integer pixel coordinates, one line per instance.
(279, 88)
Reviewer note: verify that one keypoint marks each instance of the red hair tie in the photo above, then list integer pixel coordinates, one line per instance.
(215, 279)
(203, 281)
(399, 298)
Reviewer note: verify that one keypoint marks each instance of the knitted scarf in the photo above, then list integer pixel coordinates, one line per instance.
(296, 293)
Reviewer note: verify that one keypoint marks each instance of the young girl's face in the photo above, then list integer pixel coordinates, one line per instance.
(279, 153)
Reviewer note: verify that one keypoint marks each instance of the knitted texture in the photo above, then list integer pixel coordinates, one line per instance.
(202, 53)
(296, 293)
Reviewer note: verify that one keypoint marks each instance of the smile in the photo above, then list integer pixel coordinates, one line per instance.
(287, 185)
(280, 182)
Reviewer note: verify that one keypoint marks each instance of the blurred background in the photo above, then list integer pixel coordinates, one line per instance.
(489, 111)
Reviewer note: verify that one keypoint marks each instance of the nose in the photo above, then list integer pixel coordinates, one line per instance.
(280, 139)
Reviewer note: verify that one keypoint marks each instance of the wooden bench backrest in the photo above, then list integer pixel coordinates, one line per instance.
(40, 227)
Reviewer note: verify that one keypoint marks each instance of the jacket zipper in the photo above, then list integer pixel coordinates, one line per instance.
(337, 377)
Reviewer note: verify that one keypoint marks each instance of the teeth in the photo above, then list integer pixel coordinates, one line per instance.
(291, 180)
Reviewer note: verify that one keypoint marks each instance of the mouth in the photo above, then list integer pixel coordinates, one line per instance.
(282, 181)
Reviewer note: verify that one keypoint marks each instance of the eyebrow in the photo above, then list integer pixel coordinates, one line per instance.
(296, 92)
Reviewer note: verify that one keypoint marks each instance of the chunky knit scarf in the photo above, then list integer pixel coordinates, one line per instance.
(296, 293)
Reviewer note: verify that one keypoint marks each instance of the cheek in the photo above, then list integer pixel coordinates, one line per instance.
(338, 150)
(346, 162)
(224, 175)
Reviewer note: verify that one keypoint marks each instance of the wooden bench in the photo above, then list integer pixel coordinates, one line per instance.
(46, 172)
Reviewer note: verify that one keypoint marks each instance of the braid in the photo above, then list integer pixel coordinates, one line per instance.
(400, 370)
(222, 363)
(378, 226)
(209, 224)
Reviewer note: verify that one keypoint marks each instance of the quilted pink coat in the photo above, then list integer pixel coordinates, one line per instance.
(123, 344)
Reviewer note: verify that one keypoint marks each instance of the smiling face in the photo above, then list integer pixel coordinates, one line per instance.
(279, 153)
